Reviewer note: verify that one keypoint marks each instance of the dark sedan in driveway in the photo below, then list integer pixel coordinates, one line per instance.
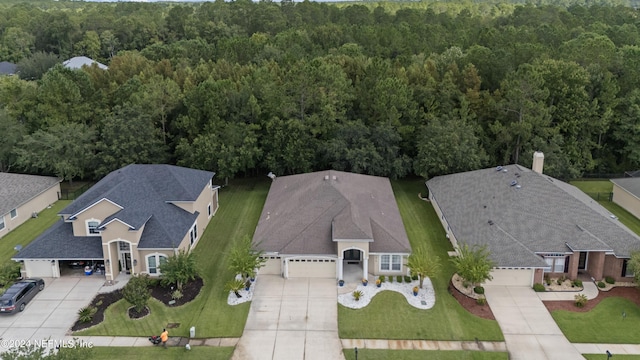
(19, 294)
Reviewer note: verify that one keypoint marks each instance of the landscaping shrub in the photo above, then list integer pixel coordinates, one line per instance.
(547, 280)
(177, 295)
(137, 292)
(601, 284)
(580, 300)
(9, 272)
(577, 283)
(399, 278)
(407, 279)
(357, 295)
(414, 277)
(478, 290)
(609, 280)
(390, 279)
(481, 301)
(85, 314)
(381, 278)
(537, 287)
(560, 280)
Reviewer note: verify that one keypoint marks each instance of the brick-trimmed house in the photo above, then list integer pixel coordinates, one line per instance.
(130, 221)
(532, 224)
(23, 197)
(313, 225)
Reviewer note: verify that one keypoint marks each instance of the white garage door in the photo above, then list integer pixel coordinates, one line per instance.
(318, 268)
(39, 268)
(512, 277)
(273, 266)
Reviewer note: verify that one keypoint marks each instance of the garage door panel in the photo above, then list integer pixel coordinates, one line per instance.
(38, 268)
(273, 266)
(511, 277)
(312, 268)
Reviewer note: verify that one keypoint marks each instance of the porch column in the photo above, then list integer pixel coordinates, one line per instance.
(340, 266)
(365, 267)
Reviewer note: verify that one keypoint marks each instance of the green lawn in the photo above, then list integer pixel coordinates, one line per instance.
(370, 354)
(388, 316)
(154, 353)
(602, 186)
(604, 357)
(603, 324)
(27, 232)
(240, 206)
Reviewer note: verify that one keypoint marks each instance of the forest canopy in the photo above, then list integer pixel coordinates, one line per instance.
(391, 89)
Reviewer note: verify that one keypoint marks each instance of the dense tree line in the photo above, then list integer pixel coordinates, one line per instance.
(384, 89)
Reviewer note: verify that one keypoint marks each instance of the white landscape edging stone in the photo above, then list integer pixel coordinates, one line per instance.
(426, 294)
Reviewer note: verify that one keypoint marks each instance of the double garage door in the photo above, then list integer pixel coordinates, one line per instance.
(512, 277)
(300, 267)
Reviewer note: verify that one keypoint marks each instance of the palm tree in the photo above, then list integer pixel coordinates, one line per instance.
(423, 265)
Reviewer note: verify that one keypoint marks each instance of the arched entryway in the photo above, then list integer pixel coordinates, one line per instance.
(353, 265)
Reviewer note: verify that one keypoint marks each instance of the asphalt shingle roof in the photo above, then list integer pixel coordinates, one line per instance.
(7, 68)
(632, 185)
(79, 61)
(58, 242)
(538, 215)
(145, 193)
(17, 189)
(304, 213)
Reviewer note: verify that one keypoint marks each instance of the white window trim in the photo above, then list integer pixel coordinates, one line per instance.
(193, 235)
(13, 216)
(210, 210)
(157, 257)
(86, 225)
(391, 262)
(2, 224)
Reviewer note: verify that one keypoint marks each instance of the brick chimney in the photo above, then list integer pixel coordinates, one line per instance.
(538, 162)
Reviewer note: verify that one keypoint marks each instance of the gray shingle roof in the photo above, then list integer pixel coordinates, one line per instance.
(58, 242)
(301, 211)
(17, 189)
(631, 185)
(544, 215)
(7, 68)
(79, 61)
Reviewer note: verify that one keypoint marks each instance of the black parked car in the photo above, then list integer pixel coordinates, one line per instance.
(19, 294)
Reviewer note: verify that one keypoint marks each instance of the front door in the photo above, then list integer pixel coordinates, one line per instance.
(352, 255)
(582, 261)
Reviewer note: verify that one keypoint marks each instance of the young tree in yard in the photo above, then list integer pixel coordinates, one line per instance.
(473, 264)
(423, 265)
(634, 265)
(244, 260)
(137, 292)
(179, 269)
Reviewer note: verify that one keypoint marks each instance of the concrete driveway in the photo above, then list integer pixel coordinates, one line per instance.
(529, 330)
(291, 319)
(52, 312)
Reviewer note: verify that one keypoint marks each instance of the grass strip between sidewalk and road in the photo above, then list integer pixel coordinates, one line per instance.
(374, 354)
(240, 206)
(158, 352)
(389, 316)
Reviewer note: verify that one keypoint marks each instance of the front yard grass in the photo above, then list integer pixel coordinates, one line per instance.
(29, 230)
(389, 316)
(158, 352)
(604, 357)
(371, 354)
(240, 206)
(604, 324)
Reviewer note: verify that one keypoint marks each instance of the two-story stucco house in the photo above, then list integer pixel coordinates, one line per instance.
(130, 221)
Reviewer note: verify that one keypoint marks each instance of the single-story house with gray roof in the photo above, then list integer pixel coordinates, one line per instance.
(532, 224)
(626, 193)
(23, 197)
(318, 224)
(130, 221)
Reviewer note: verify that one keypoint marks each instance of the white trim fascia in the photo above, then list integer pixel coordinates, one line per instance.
(389, 253)
(292, 256)
(120, 221)
(73, 216)
(353, 240)
(57, 259)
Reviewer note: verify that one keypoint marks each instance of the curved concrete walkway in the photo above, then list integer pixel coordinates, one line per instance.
(529, 330)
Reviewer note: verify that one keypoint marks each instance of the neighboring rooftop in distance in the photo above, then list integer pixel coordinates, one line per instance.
(79, 61)
(17, 189)
(7, 68)
(631, 185)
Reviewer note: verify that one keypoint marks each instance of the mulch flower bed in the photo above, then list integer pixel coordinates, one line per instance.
(483, 311)
(163, 294)
(630, 293)
(133, 314)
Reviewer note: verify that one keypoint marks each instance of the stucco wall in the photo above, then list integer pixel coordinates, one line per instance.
(443, 221)
(99, 211)
(626, 200)
(25, 211)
